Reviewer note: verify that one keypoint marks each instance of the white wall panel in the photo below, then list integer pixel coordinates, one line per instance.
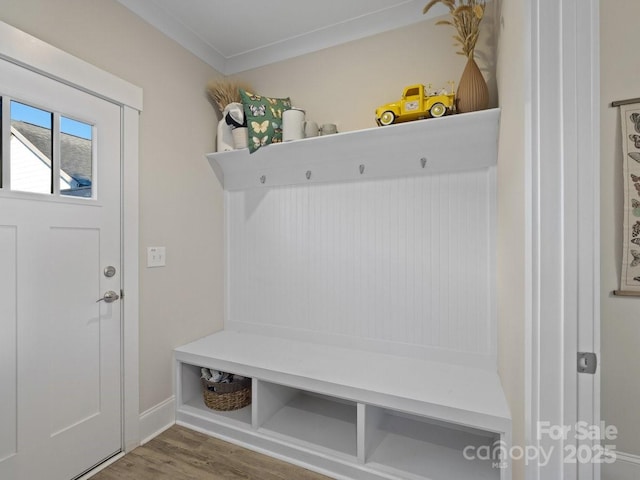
(8, 342)
(402, 262)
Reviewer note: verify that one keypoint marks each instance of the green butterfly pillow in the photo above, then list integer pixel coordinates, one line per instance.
(264, 118)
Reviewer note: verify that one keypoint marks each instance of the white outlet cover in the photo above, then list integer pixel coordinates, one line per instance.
(156, 256)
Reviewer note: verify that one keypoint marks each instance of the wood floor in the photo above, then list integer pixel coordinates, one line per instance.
(182, 454)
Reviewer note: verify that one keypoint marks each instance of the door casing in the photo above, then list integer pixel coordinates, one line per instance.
(29, 52)
(562, 158)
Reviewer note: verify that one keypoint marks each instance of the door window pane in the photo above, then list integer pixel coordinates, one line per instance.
(76, 158)
(31, 147)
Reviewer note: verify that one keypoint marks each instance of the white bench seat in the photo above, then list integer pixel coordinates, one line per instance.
(457, 394)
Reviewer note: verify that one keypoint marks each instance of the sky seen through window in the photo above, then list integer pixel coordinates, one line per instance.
(42, 118)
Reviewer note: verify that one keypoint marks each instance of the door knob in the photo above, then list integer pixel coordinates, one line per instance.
(109, 297)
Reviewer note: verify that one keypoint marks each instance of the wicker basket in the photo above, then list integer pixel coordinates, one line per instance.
(227, 396)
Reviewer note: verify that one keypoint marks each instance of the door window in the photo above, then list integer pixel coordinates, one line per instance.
(49, 153)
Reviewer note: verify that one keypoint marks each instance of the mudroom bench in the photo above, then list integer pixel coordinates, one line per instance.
(360, 298)
(349, 413)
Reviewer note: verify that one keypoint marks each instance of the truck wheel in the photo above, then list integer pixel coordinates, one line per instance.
(387, 118)
(438, 110)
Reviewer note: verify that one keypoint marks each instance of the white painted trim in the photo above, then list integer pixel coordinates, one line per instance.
(626, 467)
(398, 16)
(563, 175)
(587, 83)
(157, 419)
(153, 14)
(22, 49)
(25, 50)
(130, 278)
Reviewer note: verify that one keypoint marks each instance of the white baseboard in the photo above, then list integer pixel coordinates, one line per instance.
(626, 467)
(157, 419)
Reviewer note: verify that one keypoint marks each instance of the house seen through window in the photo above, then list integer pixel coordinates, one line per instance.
(49, 153)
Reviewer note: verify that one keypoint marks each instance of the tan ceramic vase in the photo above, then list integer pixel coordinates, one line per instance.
(473, 93)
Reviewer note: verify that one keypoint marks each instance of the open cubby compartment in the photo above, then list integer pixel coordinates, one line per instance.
(306, 418)
(191, 400)
(414, 447)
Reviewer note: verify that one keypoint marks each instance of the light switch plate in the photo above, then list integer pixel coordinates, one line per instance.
(156, 256)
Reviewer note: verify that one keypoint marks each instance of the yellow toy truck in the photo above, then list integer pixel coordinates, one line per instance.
(416, 103)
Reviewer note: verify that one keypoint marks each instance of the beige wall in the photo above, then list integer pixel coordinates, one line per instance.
(180, 199)
(620, 317)
(511, 215)
(345, 84)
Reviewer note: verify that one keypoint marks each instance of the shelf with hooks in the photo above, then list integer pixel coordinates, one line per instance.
(438, 145)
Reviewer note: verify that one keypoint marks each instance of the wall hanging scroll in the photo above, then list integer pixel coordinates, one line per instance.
(630, 273)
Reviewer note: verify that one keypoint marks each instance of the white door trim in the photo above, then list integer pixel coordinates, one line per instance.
(130, 281)
(30, 52)
(563, 193)
(23, 49)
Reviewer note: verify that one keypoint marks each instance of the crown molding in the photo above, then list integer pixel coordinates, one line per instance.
(398, 16)
(177, 31)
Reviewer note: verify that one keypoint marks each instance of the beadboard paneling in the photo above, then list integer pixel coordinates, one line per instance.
(403, 265)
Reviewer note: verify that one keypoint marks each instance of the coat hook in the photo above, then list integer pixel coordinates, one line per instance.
(361, 169)
(423, 162)
(263, 179)
(308, 174)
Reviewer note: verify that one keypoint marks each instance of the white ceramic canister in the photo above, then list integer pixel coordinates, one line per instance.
(329, 129)
(292, 124)
(310, 129)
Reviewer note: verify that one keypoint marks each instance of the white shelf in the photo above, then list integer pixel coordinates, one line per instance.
(449, 144)
(197, 407)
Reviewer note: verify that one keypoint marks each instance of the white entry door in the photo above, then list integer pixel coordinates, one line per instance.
(60, 252)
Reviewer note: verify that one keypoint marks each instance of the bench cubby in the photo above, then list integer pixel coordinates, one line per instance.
(192, 399)
(417, 447)
(306, 418)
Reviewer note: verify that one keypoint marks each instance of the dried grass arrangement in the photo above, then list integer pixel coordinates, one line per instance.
(466, 16)
(224, 92)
